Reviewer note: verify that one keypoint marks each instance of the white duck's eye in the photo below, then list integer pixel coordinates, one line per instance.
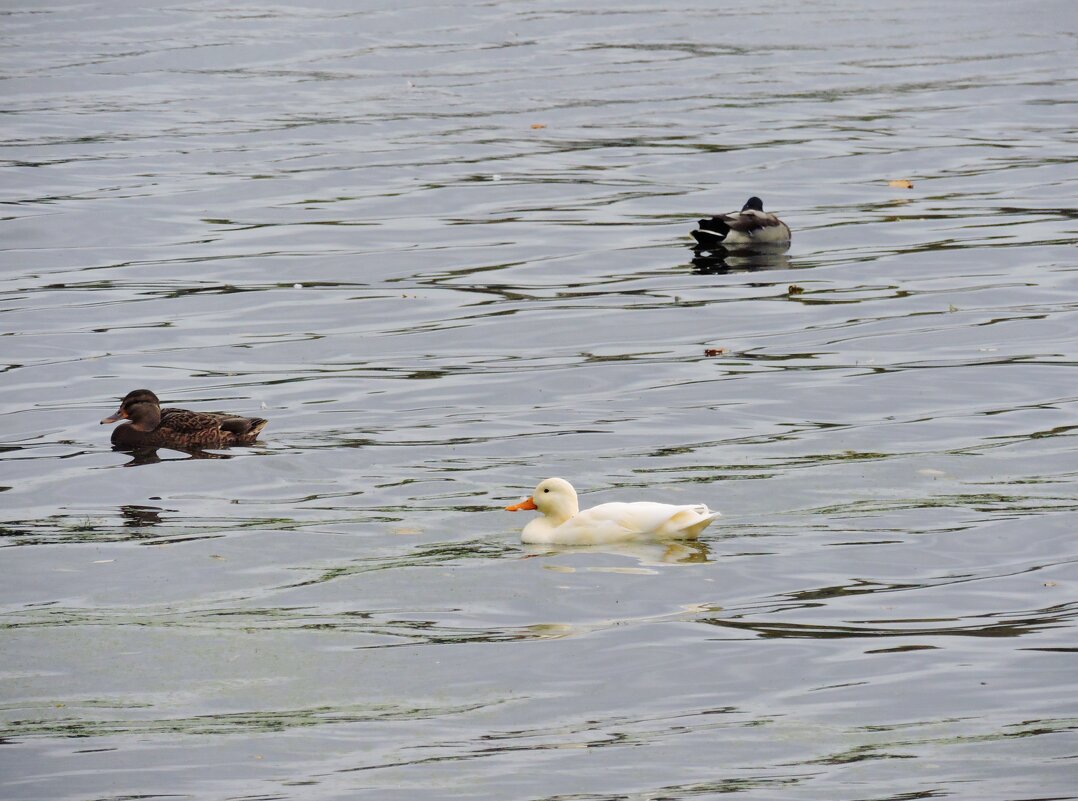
(546, 489)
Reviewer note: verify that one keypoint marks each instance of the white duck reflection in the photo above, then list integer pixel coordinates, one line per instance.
(645, 554)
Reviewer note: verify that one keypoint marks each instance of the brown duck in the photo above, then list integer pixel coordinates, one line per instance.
(151, 426)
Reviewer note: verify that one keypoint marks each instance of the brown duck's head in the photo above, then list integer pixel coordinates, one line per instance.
(141, 407)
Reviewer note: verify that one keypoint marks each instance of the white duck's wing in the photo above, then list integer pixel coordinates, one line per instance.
(623, 522)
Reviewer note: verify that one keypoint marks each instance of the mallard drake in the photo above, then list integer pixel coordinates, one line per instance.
(742, 229)
(151, 426)
(562, 522)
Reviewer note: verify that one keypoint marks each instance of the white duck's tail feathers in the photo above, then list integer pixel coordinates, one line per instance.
(689, 522)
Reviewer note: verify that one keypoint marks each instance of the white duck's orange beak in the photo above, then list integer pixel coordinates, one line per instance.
(525, 505)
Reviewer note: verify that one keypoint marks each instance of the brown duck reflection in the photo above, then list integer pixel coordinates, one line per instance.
(141, 516)
(140, 456)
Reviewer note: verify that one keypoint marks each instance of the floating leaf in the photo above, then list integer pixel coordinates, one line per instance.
(538, 125)
(901, 183)
(794, 289)
(714, 351)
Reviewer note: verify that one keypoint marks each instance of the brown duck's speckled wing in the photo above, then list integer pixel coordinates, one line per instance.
(226, 426)
(183, 421)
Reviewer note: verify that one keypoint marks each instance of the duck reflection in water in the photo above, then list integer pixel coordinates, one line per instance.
(140, 456)
(722, 260)
(141, 516)
(645, 553)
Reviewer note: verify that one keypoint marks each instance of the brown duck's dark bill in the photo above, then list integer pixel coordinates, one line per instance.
(524, 505)
(112, 418)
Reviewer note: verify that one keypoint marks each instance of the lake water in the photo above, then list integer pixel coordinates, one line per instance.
(444, 249)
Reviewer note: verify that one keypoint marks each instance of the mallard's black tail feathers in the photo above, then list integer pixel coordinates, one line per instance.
(711, 231)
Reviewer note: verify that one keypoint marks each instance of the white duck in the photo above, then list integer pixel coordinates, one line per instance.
(752, 226)
(563, 523)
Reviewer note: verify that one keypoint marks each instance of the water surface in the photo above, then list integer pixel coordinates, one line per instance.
(444, 249)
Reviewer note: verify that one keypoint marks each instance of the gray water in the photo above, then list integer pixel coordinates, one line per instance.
(444, 249)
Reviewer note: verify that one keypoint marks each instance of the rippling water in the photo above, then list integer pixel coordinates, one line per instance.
(444, 249)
